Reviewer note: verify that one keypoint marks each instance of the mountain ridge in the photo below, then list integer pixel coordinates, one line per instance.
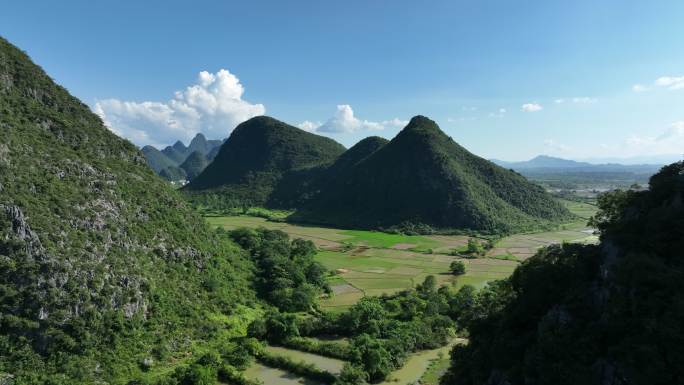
(257, 154)
(168, 162)
(103, 264)
(423, 176)
(546, 163)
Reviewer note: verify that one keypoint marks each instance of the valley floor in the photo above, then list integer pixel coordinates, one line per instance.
(373, 263)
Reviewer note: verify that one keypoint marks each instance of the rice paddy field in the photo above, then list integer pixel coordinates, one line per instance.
(274, 376)
(373, 262)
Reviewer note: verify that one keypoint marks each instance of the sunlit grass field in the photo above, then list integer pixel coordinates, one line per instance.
(372, 262)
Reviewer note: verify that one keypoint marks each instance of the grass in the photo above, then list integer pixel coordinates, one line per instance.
(332, 365)
(386, 240)
(273, 376)
(419, 364)
(435, 370)
(373, 262)
(523, 246)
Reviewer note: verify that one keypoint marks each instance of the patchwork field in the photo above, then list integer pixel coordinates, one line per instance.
(523, 246)
(274, 376)
(426, 365)
(373, 263)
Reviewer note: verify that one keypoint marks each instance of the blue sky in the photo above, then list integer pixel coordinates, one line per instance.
(506, 79)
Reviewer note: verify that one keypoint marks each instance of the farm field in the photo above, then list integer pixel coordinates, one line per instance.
(332, 365)
(523, 246)
(373, 263)
(418, 364)
(421, 365)
(274, 376)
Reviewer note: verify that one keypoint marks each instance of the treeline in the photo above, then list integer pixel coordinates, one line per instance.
(286, 274)
(382, 331)
(590, 314)
(332, 349)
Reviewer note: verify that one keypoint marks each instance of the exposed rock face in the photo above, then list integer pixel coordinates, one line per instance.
(95, 250)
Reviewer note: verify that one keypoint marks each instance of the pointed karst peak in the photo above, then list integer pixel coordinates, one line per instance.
(421, 128)
(423, 124)
(261, 121)
(179, 146)
(199, 138)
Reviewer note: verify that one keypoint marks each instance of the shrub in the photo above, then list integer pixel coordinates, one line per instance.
(457, 268)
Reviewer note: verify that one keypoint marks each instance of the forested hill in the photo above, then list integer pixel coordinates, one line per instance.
(257, 154)
(423, 177)
(590, 314)
(179, 162)
(105, 271)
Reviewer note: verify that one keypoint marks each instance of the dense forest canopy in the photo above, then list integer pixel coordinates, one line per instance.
(590, 314)
(106, 271)
(423, 177)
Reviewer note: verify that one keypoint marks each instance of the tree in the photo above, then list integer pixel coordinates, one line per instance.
(365, 316)
(457, 268)
(351, 375)
(372, 355)
(474, 247)
(429, 284)
(281, 326)
(287, 275)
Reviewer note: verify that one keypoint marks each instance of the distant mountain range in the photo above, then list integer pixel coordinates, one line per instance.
(421, 177)
(544, 163)
(180, 162)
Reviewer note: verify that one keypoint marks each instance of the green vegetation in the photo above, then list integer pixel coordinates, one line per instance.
(250, 167)
(179, 162)
(173, 173)
(418, 182)
(301, 368)
(423, 177)
(387, 240)
(194, 164)
(333, 349)
(396, 263)
(286, 274)
(107, 275)
(614, 308)
(259, 212)
(156, 159)
(457, 268)
(383, 331)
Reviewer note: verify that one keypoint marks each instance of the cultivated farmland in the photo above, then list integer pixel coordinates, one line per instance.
(373, 263)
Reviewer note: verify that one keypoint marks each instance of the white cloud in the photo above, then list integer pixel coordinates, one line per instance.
(344, 121)
(671, 82)
(213, 106)
(502, 110)
(532, 107)
(309, 125)
(676, 130)
(559, 101)
(670, 141)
